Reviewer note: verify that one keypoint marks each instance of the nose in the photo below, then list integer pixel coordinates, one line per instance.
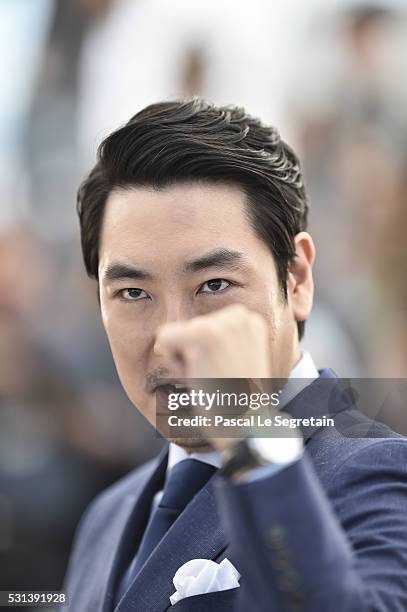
(172, 312)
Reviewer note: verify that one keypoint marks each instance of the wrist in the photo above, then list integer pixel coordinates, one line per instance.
(240, 459)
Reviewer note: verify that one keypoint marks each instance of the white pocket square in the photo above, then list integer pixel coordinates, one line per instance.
(200, 576)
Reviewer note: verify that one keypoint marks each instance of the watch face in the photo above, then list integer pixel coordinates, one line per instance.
(277, 450)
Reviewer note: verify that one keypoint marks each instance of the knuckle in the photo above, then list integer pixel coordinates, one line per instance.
(239, 309)
(197, 325)
(202, 329)
(167, 330)
(258, 321)
(213, 330)
(236, 315)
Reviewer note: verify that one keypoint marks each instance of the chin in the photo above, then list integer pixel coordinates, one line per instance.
(192, 445)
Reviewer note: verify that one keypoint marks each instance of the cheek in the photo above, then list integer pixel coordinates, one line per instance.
(129, 345)
(206, 304)
(127, 337)
(268, 303)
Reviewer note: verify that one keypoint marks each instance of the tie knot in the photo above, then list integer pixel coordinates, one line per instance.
(186, 478)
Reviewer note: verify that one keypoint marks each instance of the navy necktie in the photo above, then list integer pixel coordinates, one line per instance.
(186, 478)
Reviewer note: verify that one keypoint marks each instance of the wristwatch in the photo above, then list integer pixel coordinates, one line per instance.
(249, 453)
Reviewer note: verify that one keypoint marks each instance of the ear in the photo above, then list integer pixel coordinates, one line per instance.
(300, 284)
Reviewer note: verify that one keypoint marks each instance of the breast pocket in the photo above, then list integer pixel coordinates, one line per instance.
(220, 601)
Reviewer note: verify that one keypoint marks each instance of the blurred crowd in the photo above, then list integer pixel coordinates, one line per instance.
(330, 74)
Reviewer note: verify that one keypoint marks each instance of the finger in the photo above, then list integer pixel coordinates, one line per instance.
(179, 341)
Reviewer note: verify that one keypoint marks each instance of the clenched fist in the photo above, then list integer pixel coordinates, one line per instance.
(232, 342)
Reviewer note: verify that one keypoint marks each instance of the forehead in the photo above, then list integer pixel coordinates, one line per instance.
(143, 222)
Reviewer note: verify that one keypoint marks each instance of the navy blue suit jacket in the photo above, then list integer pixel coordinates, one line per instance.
(326, 534)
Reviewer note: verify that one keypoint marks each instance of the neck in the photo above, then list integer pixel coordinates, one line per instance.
(296, 357)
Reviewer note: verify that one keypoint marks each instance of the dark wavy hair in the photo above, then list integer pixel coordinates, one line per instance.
(193, 140)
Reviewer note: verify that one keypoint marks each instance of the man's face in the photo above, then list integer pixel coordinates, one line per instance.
(178, 253)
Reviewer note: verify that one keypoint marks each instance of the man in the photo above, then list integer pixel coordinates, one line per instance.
(193, 223)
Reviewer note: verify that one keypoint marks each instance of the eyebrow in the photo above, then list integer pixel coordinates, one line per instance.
(118, 271)
(219, 258)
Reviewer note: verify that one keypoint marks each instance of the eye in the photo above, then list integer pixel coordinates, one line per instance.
(215, 285)
(133, 294)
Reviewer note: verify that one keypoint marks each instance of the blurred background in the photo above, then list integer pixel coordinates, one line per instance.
(331, 75)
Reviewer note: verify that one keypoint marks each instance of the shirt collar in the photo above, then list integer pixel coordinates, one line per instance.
(304, 369)
(177, 453)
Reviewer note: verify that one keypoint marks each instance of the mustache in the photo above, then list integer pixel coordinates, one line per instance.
(154, 377)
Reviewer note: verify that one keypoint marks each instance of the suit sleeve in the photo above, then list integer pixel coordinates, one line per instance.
(299, 548)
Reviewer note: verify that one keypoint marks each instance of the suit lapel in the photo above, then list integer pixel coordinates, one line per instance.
(126, 528)
(323, 397)
(196, 534)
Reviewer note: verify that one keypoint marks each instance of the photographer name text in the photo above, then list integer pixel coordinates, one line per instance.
(252, 420)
